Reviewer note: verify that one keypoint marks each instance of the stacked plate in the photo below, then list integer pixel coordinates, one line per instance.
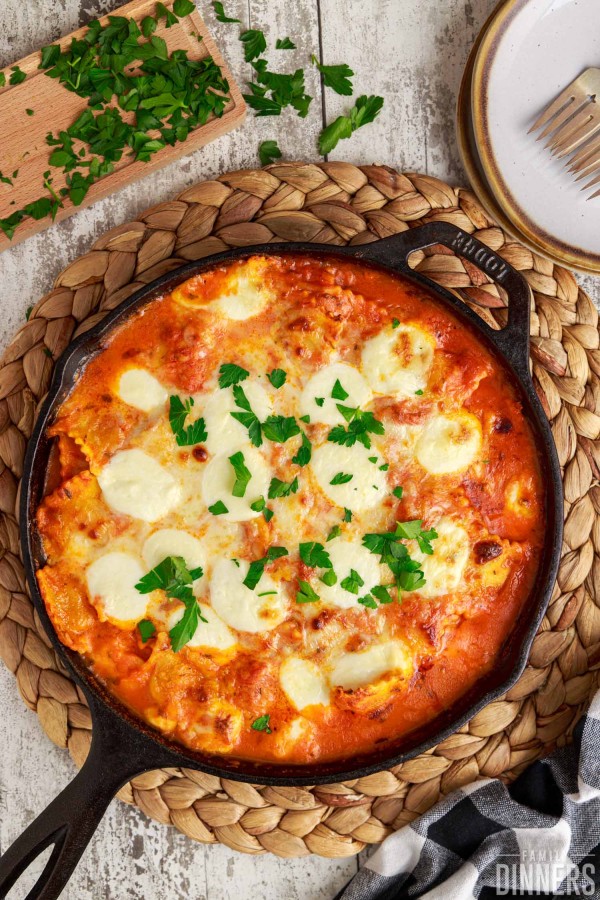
(526, 54)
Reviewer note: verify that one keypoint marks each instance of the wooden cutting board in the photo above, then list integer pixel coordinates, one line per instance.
(23, 144)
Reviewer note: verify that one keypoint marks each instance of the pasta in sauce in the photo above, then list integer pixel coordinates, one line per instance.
(298, 510)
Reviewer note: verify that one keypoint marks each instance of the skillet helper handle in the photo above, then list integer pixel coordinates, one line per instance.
(71, 819)
(513, 339)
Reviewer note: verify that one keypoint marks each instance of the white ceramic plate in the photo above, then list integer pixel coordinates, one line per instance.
(531, 50)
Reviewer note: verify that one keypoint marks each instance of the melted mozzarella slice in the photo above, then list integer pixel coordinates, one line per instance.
(174, 542)
(368, 483)
(219, 478)
(139, 388)
(133, 483)
(443, 570)
(398, 360)
(346, 555)
(245, 299)
(321, 385)
(241, 608)
(213, 634)
(111, 582)
(353, 670)
(449, 443)
(303, 683)
(221, 428)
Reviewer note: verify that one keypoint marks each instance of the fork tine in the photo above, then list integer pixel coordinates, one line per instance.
(561, 118)
(591, 184)
(580, 159)
(581, 127)
(594, 195)
(585, 170)
(567, 96)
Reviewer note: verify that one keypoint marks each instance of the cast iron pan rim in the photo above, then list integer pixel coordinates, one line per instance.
(105, 706)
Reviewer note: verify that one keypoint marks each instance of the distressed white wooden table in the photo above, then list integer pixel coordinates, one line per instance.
(412, 52)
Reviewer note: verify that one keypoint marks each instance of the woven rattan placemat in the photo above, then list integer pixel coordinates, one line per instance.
(336, 203)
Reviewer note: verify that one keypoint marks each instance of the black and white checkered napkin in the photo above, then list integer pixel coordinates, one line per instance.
(538, 837)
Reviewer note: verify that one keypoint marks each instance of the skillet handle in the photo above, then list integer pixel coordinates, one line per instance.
(513, 339)
(71, 819)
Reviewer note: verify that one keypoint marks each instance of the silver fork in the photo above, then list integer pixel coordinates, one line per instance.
(572, 125)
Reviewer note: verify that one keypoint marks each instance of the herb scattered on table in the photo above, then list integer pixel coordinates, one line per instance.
(364, 111)
(335, 77)
(221, 14)
(254, 43)
(268, 152)
(284, 44)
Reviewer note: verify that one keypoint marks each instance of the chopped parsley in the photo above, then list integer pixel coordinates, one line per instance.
(347, 515)
(352, 582)
(260, 505)
(329, 578)
(365, 110)
(254, 43)
(319, 401)
(367, 600)
(397, 492)
(384, 467)
(382, 592)
(262, 724)
(146, 629)
(336, 77)
(314, 555)
(305, 419)
(218, 508)
(395, 323)
(222, 15)
(419, 393)
(305, 593)
(304, 454)
(248, 417)
(338, 392)
(174, 578)
(280, 428)
(407, 572)
(29, 112)
(2, 79)
(242, 474)
(230, 374)
(279, 488)
(268, 152)
(277, 378)
(341, 478)
(360, 425)
(335, 532)
(257, 568)
(284, 44)
(186, 436)
(271, 92)
(17, 76)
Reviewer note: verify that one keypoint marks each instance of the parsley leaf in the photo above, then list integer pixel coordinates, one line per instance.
(230, 374)
(367, 600)
(277, 378)
(280, 428)
(397, 492)
(407, 572)
(146, 629)
(279, 488)
(315, 555)
(268, 152)
(163, 13)
(336, 77)
(50, 56)
(222, 15)
(178, 413)
(2, 79)
(347, 515)
(259, 504)
(319, 401)
(248, 419)
(304, 454)
(284, 44)
(17, 76)
(174, 578)
(148, 25)
(352, 582)
(338, 392)
(242, 474)
(335, 532)
(257, 567)
(185, 629)
(382, 593)
(183, 7)
(341, 478)
(419, 393)
(395, 323)
(218, 508)
(272, 91)
(254, 43)
(305, 593)
(329, 578)
(360, 425)
(262, 724)
(364, 111)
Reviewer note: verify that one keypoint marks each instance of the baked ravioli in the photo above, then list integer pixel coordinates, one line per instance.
(294, 510)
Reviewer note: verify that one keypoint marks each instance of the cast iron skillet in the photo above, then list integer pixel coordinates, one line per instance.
(122, 746)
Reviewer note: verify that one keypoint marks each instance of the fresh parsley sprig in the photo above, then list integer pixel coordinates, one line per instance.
(185, 435)
(407, 572)
(174, 578)
(230, 374)
(279, 488)
(365, 110)
(360, 425)
(257, 568)
(242, 474)
(335, 77)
